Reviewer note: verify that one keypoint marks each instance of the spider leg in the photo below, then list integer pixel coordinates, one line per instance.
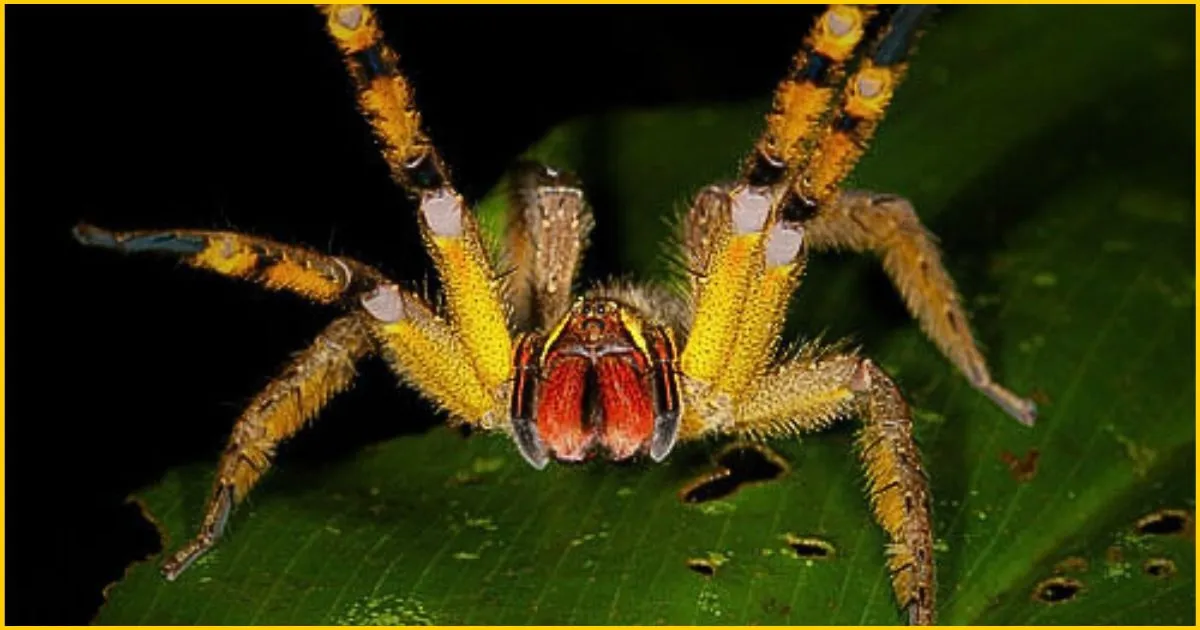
(805, 95)
(744, 261)
(426, 351)
(280, 410)
(313, 275)
(546, 238)
(887, 226)
(818, 388)
(385, 97)
(844, 135)
(473, 291)
(744, 266)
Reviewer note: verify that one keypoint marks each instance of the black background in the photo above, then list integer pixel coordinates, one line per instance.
(241, 117)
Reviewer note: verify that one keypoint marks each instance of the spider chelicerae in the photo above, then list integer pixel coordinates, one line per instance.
(622, 370)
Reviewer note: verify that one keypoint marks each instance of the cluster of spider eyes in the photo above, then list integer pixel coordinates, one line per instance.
(589, 308)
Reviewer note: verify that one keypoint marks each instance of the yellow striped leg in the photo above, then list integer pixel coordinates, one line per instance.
(812, 391)
(385, 97)
(806, 94)
(477, 314)
(314, 376)
(425, 351)
(313, 275)
(868, 92)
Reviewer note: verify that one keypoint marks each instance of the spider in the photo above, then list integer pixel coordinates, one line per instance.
(621, 370)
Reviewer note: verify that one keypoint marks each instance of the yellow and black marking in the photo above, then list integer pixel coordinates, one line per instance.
(315, 276)
(385, 97)
(803, 98)
(864, 100)
(665, 366)
(522, 414)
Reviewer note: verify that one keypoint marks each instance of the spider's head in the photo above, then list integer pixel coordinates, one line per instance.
(602, 379)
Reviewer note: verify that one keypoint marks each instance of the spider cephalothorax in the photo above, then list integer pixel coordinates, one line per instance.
(626, 369)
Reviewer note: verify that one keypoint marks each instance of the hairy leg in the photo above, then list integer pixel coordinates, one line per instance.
(425, 351)
(473, 290)
(818, 388)
(546, 239)
(283, 408)
(805, 95)
(278, 266)
(744, 267)
(886, 225)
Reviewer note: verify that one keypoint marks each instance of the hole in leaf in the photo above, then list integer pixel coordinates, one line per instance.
(1165, 523)
(702, 566)
(811, 547)
(1159, 567)
(1057, 590)
(737, 465)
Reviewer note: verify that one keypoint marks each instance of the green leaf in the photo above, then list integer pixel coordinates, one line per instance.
(1052, 151)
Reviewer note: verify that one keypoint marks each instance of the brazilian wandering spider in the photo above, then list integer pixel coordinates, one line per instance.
(621, 370)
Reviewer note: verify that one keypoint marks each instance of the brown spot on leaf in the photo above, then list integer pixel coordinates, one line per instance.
(1057, 590)
(1039, 396)
(1072, 564)
(737, 465)
(1022, 469)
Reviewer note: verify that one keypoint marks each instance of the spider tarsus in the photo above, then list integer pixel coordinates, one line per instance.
(88, 234)
(1022, 410)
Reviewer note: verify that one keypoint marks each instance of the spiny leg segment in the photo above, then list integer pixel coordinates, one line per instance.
(472, 289)
(747, 267)
(318, 277)
(804, 97)
(815, 389)
(546, 237)
(284, 407)
(887, 226)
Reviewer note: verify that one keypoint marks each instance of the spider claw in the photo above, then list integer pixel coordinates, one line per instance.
(666, 432)
(530, 443)
(1022, 410)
